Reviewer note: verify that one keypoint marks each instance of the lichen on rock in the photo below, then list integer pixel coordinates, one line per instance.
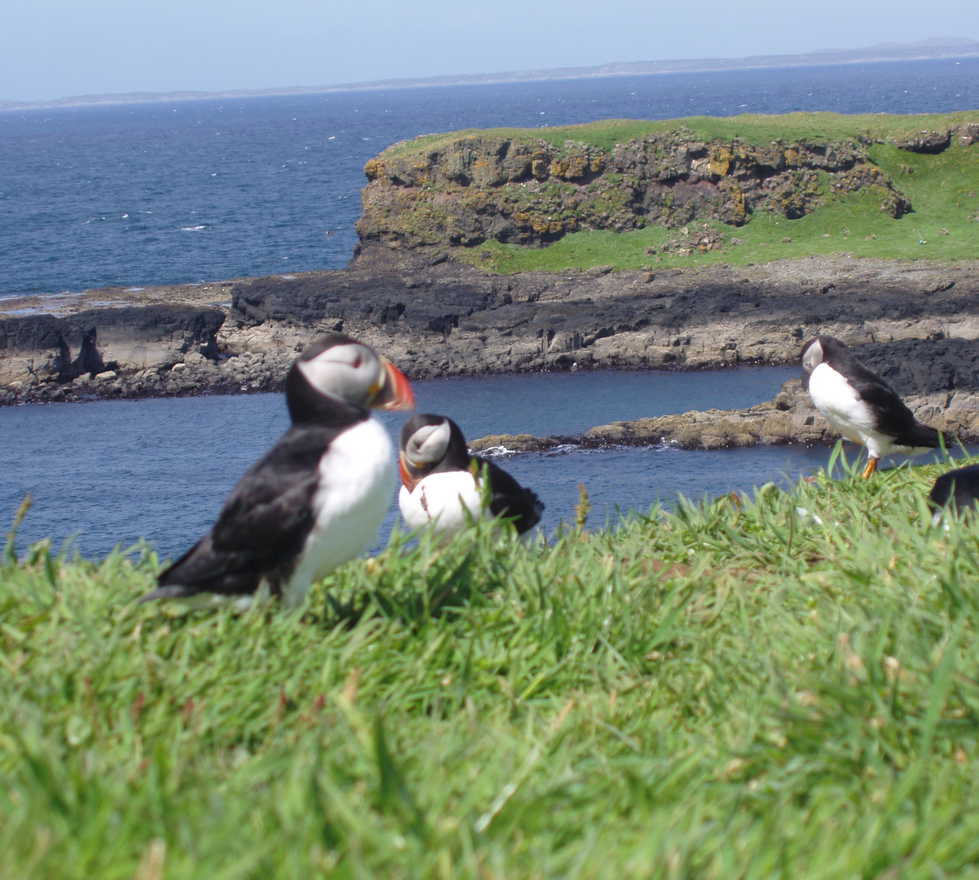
(524, 189)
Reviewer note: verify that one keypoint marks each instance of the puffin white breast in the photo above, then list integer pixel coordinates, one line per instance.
(356, 481)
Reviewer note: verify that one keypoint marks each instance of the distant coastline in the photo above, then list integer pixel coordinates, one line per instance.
(923, 50)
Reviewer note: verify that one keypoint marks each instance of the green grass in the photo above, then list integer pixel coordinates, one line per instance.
(943, 189)
(757, 129)
(944, 226)
(731, 690)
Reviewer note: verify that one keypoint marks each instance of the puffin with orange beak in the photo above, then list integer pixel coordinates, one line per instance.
(444, 487)
(316, 499)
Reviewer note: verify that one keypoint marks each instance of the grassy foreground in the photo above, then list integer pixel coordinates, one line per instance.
(738, 689)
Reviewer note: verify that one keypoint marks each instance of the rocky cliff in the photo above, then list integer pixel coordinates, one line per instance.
(48, 353)
(517, 188)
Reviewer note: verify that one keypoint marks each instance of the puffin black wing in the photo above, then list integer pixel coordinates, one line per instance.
(509, 499)
(261, 527)
(891, 414)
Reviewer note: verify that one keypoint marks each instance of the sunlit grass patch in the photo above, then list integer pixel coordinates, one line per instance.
(942, 189)
(785, 683)
(751, 128)
(944, 225)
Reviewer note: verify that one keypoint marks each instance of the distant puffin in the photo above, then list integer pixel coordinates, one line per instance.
(959, 487)
(861, 405)
(442, 483)
(316, 499)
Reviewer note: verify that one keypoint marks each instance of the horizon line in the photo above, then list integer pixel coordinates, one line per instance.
(929, 49)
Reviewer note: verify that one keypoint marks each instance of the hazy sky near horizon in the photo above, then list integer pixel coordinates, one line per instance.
(58, 48)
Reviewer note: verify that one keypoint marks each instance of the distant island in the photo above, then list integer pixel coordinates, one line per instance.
(921, 50)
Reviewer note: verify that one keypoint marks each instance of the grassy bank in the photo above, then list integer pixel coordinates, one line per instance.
(736, 689)
(590, 223)
(751, 128)
(944, 225)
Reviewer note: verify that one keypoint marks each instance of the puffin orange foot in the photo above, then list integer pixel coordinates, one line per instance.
(870, 468)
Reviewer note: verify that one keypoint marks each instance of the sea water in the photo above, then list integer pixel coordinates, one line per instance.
(108, 473)
(144, 194)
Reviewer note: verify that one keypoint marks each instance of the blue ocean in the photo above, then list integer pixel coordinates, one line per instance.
(145, 194)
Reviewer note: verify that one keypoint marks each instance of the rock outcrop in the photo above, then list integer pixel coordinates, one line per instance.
(448, 319)
(789, 418)
(517, 188)
(41, 347)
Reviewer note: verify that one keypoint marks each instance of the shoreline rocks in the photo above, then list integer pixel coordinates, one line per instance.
(788, 419)
(916, 323)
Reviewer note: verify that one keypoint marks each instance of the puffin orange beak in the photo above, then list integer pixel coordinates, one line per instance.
(406, 478)
(395, 392)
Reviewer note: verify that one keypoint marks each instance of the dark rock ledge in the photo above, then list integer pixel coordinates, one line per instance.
(917, 323)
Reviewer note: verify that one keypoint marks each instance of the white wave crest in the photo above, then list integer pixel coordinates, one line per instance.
(497, 451)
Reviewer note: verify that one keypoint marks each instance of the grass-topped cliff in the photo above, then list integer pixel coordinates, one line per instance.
(784, 686)
(633, 194)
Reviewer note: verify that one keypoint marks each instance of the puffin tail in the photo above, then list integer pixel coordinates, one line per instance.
(538, 508)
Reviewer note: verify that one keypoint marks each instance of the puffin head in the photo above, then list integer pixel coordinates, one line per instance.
(812, 355)
(336, 373)
(428, 443)
(822, 350)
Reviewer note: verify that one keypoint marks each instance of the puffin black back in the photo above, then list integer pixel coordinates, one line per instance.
(508, 498)
(959, 487)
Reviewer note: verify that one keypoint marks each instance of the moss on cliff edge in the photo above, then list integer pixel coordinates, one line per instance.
(750, 128)
(764, 187)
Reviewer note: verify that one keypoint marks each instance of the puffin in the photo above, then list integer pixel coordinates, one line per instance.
(445, 487)
(860, 404)
(959, 488)
(315, 499)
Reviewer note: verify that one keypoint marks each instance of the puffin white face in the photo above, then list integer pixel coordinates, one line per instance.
(812, 357)
(428, 445)
(350, 372)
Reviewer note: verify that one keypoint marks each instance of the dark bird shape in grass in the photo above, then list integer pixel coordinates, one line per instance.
(958, 489)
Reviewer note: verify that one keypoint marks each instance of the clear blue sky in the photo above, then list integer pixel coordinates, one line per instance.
(57, 48)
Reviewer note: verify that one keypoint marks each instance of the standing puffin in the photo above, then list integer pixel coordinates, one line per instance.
(316, 499)
(861, 405)
(443, 483)
(959, 487)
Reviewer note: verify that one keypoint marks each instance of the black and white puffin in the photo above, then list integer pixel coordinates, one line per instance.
(959, 488)
(442, 484)
(861, 405)
(316, 499)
